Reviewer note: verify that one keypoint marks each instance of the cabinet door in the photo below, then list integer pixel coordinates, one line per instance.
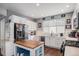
(60, 29)
(53, 23)
(9, 48)
(60, 22)
(45, 23)
(11, 34)
(52, 29)
(46, 29)
(71, 51)
(52, 42)
(47, 41)
(58, 42)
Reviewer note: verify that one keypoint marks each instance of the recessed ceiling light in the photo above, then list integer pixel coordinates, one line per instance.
(37, 4)
(62, 10)
(67, 6)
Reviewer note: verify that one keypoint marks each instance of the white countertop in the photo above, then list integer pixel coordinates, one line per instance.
(71, 38)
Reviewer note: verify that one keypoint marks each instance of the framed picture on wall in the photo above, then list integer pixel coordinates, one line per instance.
(39, 25)
(68, 21)
(68, 26)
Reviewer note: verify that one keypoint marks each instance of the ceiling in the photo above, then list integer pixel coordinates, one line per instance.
(38, 11)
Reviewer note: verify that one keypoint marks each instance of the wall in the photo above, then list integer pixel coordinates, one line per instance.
(67, 31)
(3, 11)
(77, 7)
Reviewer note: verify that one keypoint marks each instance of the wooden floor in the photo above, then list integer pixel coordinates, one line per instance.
(49, 52)
(52, 52)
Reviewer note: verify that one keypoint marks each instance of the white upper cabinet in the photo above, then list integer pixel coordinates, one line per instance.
(17, 19)
(54, 26)
(52, 23)
(30, 24)
(46, 29)
(60, 29)
(49, 23)
(52, 29)
(3, 12)
(45, 23)
(60, 22)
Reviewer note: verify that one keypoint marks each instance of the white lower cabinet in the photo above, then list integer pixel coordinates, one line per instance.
(71, 51)
(8, 49)
(54, 42)
(47, 41)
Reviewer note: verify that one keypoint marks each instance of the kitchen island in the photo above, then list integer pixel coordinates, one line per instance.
(29, 48)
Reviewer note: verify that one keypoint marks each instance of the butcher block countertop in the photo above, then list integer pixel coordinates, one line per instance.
(29, 43)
